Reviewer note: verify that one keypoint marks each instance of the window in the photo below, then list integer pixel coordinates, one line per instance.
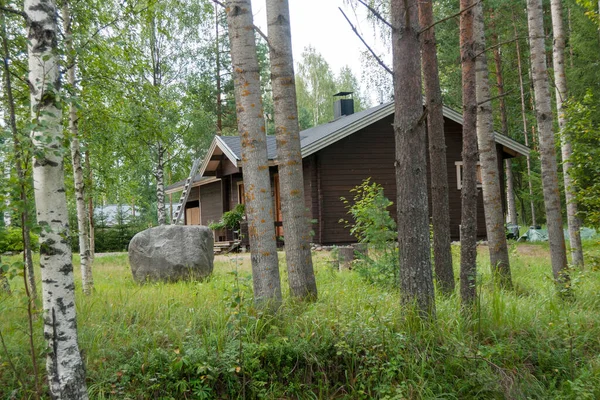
(459, 170)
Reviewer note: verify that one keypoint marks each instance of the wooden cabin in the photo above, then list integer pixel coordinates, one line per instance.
(337, 157)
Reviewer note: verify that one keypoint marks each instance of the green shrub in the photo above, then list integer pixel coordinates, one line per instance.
(374, 226)
(11, 240)
(230, 219)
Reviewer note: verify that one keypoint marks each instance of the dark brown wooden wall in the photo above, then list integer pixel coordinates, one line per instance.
(370, 153)
(211, 203)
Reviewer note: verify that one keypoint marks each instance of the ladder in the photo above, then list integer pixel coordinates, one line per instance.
(186, 192)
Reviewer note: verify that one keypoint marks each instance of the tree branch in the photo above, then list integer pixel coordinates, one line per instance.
(497, 45)
(13, 11)
(257, 29)
(375, 13)
(219, 3)
(450, 17)
(365, 43)
(496, 97)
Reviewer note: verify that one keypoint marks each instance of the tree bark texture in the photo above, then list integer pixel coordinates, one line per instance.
(442, 254)
(87, 280)
(525, 125)
(251, 127)
(90, 200)
(468, 224)
(488, 161)
(160, 184)
(20, 162)
(416, 278)
(64, 366)
(560, 81)
(296, 227)
(546, 141)
(510, 183)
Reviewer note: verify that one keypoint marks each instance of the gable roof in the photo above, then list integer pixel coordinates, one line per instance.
(321, 136)
(317, 138)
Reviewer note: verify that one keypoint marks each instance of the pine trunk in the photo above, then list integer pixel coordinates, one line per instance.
(525, 127)
(546, 142)
(488, 161)
(82, 215)
(442, 254)
(251, 127)
(20, 161)
(416, 278)
(510, 183)
(468, 224)
(65, 369)
(560, 81)
(296, 227)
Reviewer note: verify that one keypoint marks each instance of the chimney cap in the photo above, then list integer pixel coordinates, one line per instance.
(340, 94)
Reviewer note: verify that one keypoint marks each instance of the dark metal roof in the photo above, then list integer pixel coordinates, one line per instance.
(234, 144)
(178, 185)
(340, 94)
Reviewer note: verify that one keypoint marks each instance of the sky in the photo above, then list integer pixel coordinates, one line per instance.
(321, 24)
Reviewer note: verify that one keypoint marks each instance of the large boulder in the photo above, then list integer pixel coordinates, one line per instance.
(171, 253)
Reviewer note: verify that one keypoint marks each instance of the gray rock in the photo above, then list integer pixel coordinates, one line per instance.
(171, 253)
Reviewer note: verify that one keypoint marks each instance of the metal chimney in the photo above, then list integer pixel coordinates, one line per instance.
(343, 106)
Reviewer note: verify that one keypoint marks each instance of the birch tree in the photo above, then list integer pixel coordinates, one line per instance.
(82, 214)
(560, 81)
(416, 280)
(488, 160)
(546, 141)
(289, 158)
(251, 127)
(442, 254)
(468, 222)
(64, 366)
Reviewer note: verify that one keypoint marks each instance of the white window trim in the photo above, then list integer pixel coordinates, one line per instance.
(459, 165)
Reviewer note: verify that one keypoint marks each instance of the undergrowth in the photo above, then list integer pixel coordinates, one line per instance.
(204, 340)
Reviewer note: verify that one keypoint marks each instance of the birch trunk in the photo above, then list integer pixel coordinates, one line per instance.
(296, 227)
(160, 185)
(510, 184)
(20, 162)
(468, 224)
(64, 366)
(416, 278)
(525, 127)
(560, 81)
(546, 142)
(251, 127)
(488, 160)
(90, 206)
(82, 216)
(442, 253)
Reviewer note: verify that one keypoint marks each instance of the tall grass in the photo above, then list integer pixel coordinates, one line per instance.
(200, 340)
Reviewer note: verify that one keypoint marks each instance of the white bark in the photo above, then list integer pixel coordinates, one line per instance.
(488, 159)
(160, 186)
(295, 220)
(65, 369)
(560, 81)
(251, 127)
(87, 280)
(546, 141)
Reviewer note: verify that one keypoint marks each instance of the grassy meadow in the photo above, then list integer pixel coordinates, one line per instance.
(204, 340)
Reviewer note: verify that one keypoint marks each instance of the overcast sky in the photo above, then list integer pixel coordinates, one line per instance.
(321, 24)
